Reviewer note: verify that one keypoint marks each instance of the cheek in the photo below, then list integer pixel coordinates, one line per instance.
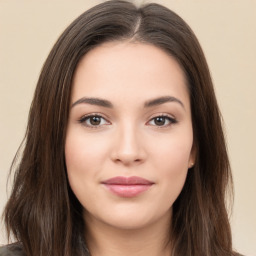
(80, 157)
(173, 152)
(84, 152)
(171, 162)
(85, 155)
(174, 162)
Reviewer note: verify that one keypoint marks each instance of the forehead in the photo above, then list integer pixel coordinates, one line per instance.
(126, 70)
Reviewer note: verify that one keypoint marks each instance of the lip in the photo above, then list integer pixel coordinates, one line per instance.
(127, 186)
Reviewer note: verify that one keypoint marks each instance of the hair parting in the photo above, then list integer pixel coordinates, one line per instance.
(42, 212)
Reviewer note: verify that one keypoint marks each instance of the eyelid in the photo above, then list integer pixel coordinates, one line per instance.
(83, 119)
(171, 118)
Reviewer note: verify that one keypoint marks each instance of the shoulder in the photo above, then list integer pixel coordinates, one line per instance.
(12, 250)
(235, 254)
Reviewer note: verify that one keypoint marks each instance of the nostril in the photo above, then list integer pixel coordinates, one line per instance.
(127, 160)
(128, 148)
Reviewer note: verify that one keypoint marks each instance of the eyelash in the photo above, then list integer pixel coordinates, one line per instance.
(84, 119)
(170, 119)
(88, 117)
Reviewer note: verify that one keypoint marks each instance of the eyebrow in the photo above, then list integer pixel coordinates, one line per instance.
(94, 101)
(162, 100)
(108, 104)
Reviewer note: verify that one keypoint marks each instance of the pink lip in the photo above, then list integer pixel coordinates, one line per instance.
(127, 186)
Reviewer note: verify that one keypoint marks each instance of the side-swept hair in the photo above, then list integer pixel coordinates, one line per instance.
(43, 214)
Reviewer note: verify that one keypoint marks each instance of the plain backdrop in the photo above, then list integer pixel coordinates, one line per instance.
(227, 33)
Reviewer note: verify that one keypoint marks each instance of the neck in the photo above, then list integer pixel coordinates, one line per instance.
(103, 239)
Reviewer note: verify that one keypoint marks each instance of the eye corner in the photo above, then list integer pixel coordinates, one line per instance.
(162, 121)
(93, 121)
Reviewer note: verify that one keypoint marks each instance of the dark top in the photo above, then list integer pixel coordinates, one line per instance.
(12, 250)
(16, 250)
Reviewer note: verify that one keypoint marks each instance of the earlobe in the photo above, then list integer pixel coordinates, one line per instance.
(191, 165)
(192, 157)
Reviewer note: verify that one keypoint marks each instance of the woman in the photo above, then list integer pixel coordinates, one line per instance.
(124, 151)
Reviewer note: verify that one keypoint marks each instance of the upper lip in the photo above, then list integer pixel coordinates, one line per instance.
(133, 180)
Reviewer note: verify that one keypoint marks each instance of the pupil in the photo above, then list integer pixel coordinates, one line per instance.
(160, 120)
(95, 120)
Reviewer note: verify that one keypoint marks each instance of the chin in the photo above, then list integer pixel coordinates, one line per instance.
(129, 223)
(129, 218)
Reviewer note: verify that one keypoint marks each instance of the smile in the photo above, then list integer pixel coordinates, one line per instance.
(127, 186)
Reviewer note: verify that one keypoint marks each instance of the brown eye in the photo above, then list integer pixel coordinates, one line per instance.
(162, 121)
(93, 121)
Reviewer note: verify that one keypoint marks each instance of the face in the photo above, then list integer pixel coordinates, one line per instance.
(129, 136)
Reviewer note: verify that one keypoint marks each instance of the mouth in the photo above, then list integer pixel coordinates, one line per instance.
(127, 186)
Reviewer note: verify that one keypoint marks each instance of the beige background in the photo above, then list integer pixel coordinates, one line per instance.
(227, 32)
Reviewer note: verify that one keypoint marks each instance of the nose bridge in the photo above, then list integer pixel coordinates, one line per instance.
(128, 146)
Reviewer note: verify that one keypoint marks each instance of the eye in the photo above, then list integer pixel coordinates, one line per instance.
(162, 121)
(93, 121)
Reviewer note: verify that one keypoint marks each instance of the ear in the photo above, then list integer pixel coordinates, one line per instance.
(192, 157)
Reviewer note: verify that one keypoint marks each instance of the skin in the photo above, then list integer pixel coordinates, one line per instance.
(128, 140)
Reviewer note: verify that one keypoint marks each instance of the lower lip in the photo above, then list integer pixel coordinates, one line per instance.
(128, 190)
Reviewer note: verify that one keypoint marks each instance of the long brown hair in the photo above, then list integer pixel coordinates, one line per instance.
(43, 213)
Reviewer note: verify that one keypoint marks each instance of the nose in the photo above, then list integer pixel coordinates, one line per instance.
(128, 146)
